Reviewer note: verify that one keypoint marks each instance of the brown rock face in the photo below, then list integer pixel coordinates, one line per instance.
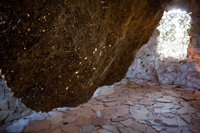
(56, 53)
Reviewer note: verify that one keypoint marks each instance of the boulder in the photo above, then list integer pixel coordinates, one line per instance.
(57, 53)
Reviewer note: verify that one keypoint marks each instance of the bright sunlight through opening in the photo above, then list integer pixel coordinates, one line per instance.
(174, 38)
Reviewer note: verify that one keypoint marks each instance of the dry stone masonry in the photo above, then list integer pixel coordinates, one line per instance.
(10, 108)
(147, 65)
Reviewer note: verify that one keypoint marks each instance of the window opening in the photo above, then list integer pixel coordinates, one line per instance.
(173, 39)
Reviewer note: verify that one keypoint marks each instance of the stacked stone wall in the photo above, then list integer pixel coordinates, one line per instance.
(147, 65)
(10, 108)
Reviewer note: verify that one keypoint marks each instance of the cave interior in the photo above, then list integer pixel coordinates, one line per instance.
(111, 66)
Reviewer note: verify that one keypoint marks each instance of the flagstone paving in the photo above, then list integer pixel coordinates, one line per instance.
(130, 106)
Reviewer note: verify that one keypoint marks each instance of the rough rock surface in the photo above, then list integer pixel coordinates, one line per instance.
(57, 53)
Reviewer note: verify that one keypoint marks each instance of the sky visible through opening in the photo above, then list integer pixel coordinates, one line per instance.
(174, 38)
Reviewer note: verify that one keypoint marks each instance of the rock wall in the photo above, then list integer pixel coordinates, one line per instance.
(147, 65)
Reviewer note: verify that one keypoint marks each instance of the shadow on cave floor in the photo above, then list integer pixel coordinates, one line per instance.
(127, 106)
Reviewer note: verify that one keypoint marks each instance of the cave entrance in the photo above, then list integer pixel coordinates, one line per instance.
(174, 36)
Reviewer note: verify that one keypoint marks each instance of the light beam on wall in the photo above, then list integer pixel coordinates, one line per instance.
(173, 39)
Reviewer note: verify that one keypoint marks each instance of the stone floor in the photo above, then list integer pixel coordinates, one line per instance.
(130, 106)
